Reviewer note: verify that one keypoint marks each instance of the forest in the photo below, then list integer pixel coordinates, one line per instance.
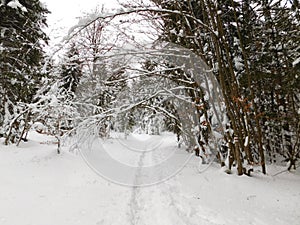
(223, 76)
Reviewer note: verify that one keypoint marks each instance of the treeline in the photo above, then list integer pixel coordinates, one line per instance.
(252, 48)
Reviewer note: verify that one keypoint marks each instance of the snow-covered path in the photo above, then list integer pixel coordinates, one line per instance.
(162, 203)
(165, 204)
(39, 187)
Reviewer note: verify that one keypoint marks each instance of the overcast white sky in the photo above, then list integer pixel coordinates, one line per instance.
(64, 12)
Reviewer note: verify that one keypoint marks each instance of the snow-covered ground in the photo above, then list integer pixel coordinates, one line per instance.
(39, 187)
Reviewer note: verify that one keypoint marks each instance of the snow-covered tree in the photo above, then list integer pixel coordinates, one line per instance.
(71, 71)
(21, 58)
(246, 43)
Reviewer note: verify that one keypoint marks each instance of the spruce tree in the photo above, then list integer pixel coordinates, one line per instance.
(21, 58)
(71, 71)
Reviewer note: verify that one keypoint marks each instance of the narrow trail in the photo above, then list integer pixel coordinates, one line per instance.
(163, 203)
(134, 204)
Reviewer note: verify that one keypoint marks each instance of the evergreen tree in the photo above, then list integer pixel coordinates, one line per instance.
(21, 58)
(71, 71)
(276, 78)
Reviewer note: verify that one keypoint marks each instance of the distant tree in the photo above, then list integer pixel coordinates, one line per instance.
(71, 71)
